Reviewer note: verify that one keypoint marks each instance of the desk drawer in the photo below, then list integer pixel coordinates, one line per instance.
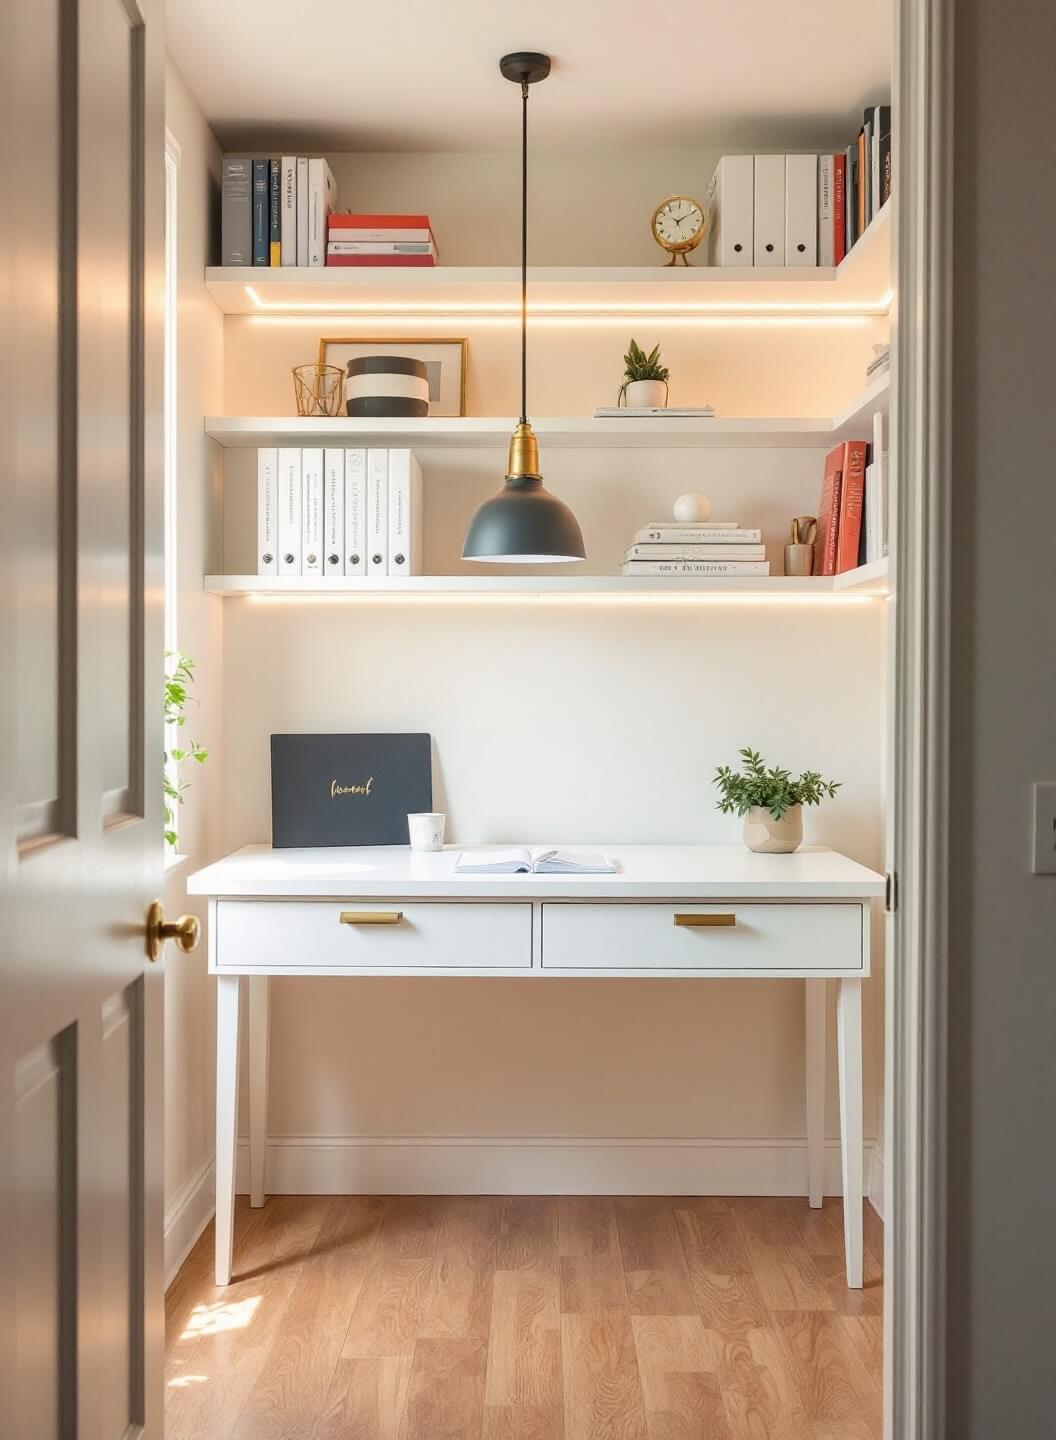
(735, 937)
(427, 935)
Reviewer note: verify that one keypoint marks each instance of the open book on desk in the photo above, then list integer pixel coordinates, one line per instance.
(534, 862)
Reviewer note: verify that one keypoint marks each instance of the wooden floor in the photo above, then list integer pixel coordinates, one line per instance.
(490, 1318)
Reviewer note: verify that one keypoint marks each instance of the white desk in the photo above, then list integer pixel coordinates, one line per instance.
(711, 911)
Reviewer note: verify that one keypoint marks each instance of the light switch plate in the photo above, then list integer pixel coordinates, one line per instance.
(1044, 827)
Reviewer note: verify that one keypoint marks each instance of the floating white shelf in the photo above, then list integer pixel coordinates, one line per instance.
(868, 580)
(860, 285)
(560, 433)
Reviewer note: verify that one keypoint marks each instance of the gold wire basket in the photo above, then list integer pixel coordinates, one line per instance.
(318, 389)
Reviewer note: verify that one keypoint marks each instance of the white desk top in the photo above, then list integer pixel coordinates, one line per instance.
(690, 872)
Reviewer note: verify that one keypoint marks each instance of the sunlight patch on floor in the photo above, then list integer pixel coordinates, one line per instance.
(224, 1315)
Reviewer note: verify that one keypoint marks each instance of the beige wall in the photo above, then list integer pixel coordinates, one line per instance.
(189, 1062)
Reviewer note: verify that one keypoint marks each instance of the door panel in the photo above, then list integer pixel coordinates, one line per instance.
(81, 1323)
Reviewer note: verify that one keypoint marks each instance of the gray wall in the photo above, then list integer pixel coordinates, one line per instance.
(1002, 1271)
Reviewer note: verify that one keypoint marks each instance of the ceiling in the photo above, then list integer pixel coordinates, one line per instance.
(423, 74)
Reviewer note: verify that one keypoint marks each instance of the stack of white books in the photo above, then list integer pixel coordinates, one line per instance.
(331, 512)
(716, 547)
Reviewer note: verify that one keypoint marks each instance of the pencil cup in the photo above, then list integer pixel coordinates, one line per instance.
(426, 830)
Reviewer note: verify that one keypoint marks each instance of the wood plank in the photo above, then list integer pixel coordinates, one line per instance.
(728, 1302)
(237, 1325)
(411, 1227)
(445, 1397)
(715, 1239)
(867, 1333)
(523, 1422)
(528, 1233)
(839, 1394)
(758, 1383)
(366, 1400)
(459, 1302)
(654, 1261)
(295, 1381)
(524, 1357)
(873, 1228)
(785, 1274)
(590, 1261)
(765, 1219)
(388, 1312)
(602, 1394)
(680, 1389)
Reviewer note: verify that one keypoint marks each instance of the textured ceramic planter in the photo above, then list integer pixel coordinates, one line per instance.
(643, 393)
(767, 836)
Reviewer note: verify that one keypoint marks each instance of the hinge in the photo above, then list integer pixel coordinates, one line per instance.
(890, 892)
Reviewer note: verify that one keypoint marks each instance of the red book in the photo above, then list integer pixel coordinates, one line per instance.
(851, 459)
(377, 222)
(377, 260)
(839, 212)
(828, 515)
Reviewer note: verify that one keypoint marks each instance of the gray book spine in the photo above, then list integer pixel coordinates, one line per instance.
(236, 211)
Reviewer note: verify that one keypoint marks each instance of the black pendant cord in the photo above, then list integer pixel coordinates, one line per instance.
(524, 252)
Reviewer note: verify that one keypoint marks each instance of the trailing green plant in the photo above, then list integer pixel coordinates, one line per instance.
(179, 681)
(772, 790)
(640, 366)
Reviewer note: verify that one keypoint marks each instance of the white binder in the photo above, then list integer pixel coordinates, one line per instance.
(405, 513)
(333, 512)
(801, 210)
(377, 512)
(290, 524)
(730, 205)
(312, 511)
(769, 247)
(355, 512)
(267, 514)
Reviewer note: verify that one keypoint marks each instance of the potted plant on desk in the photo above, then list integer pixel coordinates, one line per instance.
(644, 379)
(770, 801)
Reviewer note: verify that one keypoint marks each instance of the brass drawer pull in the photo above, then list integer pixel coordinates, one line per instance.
(371, 917)
(695, 920)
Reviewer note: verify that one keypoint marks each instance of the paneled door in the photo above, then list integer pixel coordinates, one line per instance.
(80, 725)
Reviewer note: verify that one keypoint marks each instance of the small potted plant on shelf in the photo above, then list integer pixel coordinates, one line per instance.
(770, 801)
(644, 379)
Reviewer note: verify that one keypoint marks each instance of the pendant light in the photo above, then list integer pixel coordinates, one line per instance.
(524, 524)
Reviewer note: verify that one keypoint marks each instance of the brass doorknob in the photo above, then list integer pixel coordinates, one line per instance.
(185, 931)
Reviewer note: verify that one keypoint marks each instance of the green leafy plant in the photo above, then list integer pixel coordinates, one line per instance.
(640, 366)
(772, 790)
(179, 681)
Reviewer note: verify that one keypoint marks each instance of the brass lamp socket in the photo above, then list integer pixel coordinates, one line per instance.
(524, 454)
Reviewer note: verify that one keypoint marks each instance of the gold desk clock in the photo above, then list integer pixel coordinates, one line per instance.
(678, 226)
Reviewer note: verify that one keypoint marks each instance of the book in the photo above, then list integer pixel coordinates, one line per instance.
(850, 165)
(377, 512)
(828, 515)
(885, 159)
(267, 486)
(839, 208)
(236, 211)
(288, 210)
(861, 218)
(274, 212)
(695, 567)
(366, 260)
(405, 513)
(376, 224)
(866, 173)
(380, 247)
(851, 458)
(523, 861)
(674, 534)
(290, 528)
(333, 512)
(322, 197)
(302, 210)
(261, 212)
(826, 241)
(653, 412)
(694, 550)
(355, 512)
(312, 511)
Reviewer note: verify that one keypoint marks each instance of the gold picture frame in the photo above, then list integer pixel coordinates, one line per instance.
(405, 345)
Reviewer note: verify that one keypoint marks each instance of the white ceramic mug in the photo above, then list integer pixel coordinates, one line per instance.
(426, 830)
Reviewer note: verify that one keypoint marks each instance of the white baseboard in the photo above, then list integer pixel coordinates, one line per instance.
(190, 1212)
(430, 1165)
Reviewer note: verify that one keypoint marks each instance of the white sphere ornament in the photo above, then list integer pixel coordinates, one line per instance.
(692, 509)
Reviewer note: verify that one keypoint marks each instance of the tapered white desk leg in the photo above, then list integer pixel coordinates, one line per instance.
(259, 1041)
(849, 1046)
(228, 989)
(815, 1053)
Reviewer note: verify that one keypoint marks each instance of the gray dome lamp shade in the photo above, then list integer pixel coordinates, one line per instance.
(524, 524)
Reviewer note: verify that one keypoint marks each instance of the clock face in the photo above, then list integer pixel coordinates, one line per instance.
(678, 223)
